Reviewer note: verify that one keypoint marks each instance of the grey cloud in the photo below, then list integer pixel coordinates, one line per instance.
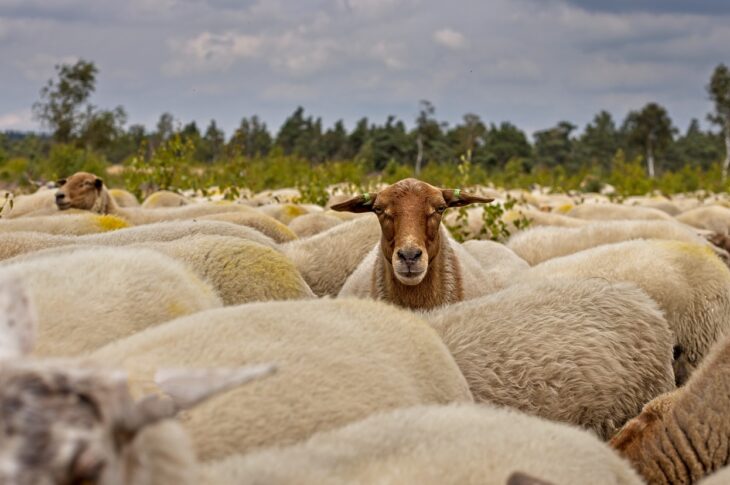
(660, 6)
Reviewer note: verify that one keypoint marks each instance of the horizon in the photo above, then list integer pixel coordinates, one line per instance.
(347, 59)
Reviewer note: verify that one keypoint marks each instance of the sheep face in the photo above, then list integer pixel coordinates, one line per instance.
(61, 426)
(79, 191)
(410, 214)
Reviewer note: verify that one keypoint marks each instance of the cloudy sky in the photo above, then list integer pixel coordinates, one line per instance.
(532, 62)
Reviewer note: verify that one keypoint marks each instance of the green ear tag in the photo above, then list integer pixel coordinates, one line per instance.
(456, 193)
(366, 196)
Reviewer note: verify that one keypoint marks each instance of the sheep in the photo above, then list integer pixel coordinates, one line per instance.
(17, 243)
(65, 421)
(312, 224)
(86, 191)
(690, 284)
(500, 264)
(454, 444)
(415, 264)
(721, 477)
(661, 203)
(539, 244)
(261, 222)
(607, 212)
(682, 436)
(67, 224)
(25, 204)
(584, 352)
(124, 198)
(240, 271)
(164, 198)
(329, 258)
(339, 360)
(86, 299)
(282, 196)
(714, 218)
(283, 213)
(539, 218)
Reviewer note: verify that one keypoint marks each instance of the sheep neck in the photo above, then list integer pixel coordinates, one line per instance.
(442, 284)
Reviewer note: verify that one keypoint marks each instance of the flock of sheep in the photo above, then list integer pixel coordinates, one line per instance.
(270, 342)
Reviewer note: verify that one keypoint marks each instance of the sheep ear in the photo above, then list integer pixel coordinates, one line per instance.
(519, 478)
(61, 182)
(359, 203)
(18, 320)
(459, 198)
(184, 389)
(98, 183)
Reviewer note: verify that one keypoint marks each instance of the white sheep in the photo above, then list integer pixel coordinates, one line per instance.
(499, 263)
(456, 444)
(682, 436)
(66, 224)
(164, 198)
(311, 224)
(605, 212)
(539, 244)
(17, 243)
(584, 352)
(269, 226)
(124, 198)
(720, 477)
(416, 264)
(86, 299)
(240, 271)
(329, 258)
(713, 218)
(283, 213)
(339, 361)
(688, 281)
(65, 421)
(21, 205)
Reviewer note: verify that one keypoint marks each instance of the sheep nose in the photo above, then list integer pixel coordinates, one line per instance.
(410, 255)
(60, 195)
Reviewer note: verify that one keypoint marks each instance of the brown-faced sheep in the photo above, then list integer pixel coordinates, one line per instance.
(415, 264)
(434, 445)
(683, 436)
(86, 299)
(688, 281)
(585, 352)
(339, 361)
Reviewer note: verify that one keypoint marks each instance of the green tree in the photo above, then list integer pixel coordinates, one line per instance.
(719, 90)
(696, 147)
(506, 142)
(62, 103)
(212, 143)
(652, 130)
(468, 138)
(335, 142)
(251, 139)
(599, 142)
(554, 147)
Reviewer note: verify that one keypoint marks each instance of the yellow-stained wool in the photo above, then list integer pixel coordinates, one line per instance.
(164, 198)
(124, 198)
(65, 224)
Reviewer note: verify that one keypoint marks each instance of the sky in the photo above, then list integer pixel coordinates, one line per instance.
(530, 62)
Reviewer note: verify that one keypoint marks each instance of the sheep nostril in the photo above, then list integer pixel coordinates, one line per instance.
(60, 196)
(410, 255)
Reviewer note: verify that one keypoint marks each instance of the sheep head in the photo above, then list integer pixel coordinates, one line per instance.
(410, 213)
(67, 422)
(81, 190)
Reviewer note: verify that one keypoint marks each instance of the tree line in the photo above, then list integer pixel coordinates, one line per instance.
(64, 108)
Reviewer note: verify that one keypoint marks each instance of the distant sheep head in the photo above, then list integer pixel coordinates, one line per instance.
(410, 214)
(64, 422)
(81, 190)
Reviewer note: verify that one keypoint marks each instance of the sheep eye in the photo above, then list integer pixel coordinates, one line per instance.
(440, 209)
(378, 210)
